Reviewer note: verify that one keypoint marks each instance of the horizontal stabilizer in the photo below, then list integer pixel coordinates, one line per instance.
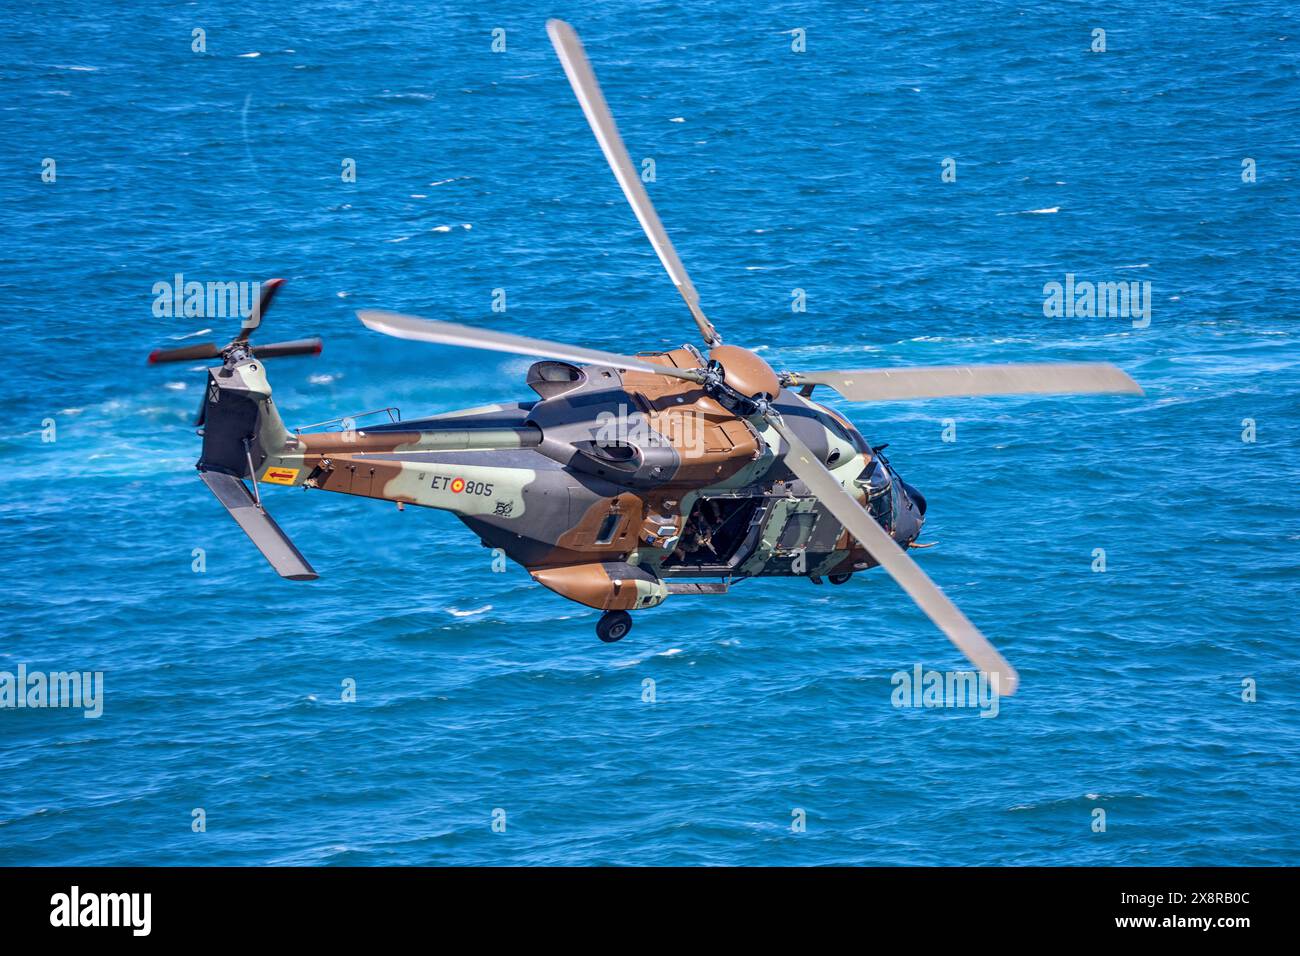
(258, 525)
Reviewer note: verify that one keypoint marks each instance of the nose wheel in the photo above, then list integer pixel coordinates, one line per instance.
(613, 626)
(839, 578)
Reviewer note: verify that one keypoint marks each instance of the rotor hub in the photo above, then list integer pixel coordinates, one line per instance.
(745, 372)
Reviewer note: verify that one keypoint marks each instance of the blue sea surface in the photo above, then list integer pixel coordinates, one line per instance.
(483, 696)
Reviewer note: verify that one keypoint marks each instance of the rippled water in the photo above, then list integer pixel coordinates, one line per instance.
(775, 171)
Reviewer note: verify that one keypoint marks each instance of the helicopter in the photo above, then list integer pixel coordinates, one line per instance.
(630, 478)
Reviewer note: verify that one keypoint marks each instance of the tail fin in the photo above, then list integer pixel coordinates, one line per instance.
(241, 426)
(241, 429)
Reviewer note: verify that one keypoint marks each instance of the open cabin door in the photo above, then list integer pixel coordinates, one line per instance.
(719, 533)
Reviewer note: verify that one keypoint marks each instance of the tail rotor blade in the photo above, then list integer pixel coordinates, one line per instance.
(210, 350)
(269, 288)
(188, 353)
(583, 80)
(280, 349)
(946, 616)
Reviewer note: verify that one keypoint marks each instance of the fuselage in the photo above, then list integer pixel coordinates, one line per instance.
(616, 488)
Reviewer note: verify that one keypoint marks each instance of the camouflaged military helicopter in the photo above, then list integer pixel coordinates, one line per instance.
(630, 478)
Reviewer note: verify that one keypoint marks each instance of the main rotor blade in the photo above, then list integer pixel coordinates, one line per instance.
(895, 560)
(447, 333)
(583, 80)
(947, 381)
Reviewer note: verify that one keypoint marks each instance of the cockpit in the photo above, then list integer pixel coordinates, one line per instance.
(878, 482)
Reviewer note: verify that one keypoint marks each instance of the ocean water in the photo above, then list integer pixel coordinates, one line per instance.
(482, 695)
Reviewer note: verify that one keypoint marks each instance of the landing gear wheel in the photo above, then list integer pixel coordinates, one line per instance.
(839, 578)
(613, 626)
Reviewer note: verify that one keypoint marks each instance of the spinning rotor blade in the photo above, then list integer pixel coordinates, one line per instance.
(210, 350)
(187, 353)
(583, 80)
(895, 560)
(280, 349)
(947, 381)
(448, 333)
(269, 288)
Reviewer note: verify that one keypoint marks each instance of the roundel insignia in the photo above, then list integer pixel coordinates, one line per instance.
(457, 485)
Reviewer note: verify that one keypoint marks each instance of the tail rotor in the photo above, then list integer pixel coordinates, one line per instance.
(239, 348)
(242, 430)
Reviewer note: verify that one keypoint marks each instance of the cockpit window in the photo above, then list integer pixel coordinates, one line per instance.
(882, 509)
(875, 478)
(878, 484)
(849, 435)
